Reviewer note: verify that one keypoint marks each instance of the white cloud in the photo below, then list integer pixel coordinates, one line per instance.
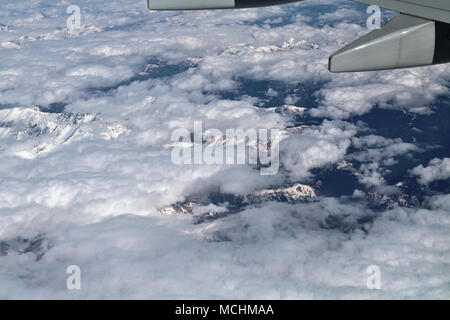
(316, 147)
(276, 251)
(437, 169)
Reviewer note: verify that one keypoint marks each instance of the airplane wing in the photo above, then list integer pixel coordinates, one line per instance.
(438, 10)
(211, 4)
(418, 36)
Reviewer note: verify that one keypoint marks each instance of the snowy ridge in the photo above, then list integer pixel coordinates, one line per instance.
(37, 132)
(207, 210)
(244, 49)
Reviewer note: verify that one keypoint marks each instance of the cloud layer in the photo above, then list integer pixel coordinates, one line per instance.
(86, 118)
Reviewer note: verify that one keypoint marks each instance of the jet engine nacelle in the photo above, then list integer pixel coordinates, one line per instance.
(404, 42)
(211, 4)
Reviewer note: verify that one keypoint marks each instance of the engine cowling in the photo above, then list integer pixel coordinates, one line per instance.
(404, 42)
(211, 4)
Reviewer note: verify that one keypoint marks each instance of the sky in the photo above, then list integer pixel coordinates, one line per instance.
(86, 177)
